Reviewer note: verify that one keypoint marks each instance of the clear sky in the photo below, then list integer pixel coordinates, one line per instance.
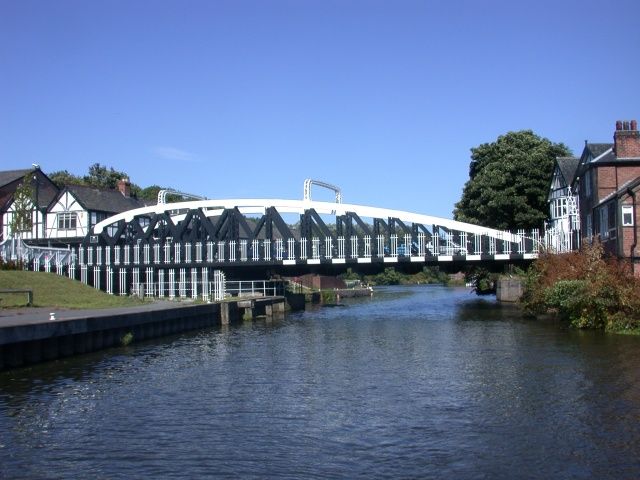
(248, 98)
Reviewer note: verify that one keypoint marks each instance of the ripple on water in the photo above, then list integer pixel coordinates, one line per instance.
(418, 382)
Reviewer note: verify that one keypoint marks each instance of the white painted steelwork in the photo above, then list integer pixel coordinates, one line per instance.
(162, 195)
(307, 189)
(260, 205)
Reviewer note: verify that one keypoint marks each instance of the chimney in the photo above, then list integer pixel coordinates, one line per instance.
(124, 186)
(626, 139)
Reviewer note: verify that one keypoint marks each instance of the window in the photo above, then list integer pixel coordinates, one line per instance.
(559, 208)
(612, 214)
(627, 215)
(604, 223)
(97, 217)
(587, 183)
(589, 227)
(67, 221)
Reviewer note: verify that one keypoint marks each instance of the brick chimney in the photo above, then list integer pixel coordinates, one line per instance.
(124, 186)
(627, 139)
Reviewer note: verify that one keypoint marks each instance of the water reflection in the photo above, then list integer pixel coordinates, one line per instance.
(425, 382)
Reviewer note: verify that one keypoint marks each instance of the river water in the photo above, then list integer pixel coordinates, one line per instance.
(418, 382)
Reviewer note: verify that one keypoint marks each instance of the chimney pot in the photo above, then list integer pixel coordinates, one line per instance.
(626, 139)
(124, 186)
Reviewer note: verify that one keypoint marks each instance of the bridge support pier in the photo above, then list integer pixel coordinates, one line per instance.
(229, 313)
(509, 290)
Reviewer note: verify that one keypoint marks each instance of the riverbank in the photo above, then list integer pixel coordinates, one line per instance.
(29, 336)
(54, 291)
(588, 289)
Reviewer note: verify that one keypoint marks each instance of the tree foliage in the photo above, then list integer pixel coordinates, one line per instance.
(23, 205)
(63, 177)
(101, 176)
(509, 182)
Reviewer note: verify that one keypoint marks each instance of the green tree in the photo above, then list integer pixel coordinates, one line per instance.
(23, 206)
(102, 177)
(509, 182)
(63, 177)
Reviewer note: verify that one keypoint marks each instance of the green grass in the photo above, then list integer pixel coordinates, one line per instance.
(51, 290)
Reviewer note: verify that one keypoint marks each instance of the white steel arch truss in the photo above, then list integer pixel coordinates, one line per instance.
(259, 206)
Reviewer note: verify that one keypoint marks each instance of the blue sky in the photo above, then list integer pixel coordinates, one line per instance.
(248, 98)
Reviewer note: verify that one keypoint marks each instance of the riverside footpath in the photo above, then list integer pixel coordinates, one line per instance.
(33, 335)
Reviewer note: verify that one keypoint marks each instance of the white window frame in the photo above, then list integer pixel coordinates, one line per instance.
(67, 221)
(627, 210)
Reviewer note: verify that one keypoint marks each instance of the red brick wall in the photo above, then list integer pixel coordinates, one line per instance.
(627, 233)
(627, 143)
(605, 181)
(320, 281)
(611, 178)
(626, 174)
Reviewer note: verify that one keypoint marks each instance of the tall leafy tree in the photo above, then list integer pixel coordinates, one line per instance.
(509, 182)
(103, 177)
(63, 177)
(23, 206)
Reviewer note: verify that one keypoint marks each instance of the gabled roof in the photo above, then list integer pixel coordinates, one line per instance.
(568, 167)
(103, 200)
(44, 189)
(10, 176)
(597, 149)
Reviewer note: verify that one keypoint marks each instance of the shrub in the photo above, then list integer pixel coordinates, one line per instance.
(586, 288)
(11, 264)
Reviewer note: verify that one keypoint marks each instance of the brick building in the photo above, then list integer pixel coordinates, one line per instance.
(605, 189)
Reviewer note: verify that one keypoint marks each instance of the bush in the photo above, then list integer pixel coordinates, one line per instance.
(586, 288)
(11, 265)
(482, 280)
(392, 277)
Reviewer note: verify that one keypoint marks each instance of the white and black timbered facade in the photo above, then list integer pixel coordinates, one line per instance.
(78, 208)
(564, 219)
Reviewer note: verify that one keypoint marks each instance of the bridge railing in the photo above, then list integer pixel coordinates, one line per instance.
(169, 268)
(314, 249)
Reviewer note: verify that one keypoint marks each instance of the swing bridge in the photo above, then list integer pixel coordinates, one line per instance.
(189, 248)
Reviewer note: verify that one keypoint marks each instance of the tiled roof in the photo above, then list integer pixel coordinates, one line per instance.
(568, 166)
(9, 176)
(597, 149)
(102, 200)
(607, 157)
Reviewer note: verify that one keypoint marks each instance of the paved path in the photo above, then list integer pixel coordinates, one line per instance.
(10, 317)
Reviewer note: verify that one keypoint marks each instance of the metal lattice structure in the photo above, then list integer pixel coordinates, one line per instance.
(178, 249)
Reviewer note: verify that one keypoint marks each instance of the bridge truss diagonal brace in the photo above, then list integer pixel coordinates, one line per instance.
(311, 224)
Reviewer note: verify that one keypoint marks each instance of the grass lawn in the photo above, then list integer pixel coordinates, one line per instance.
(51, 290)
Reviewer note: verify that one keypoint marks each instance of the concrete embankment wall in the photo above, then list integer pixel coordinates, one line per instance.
(509, 289)
(25, 340)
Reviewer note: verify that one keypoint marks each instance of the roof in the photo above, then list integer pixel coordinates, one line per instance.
(44, 189)
(597, 149)
(9, 176)
(103, 200)
(568, 167)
